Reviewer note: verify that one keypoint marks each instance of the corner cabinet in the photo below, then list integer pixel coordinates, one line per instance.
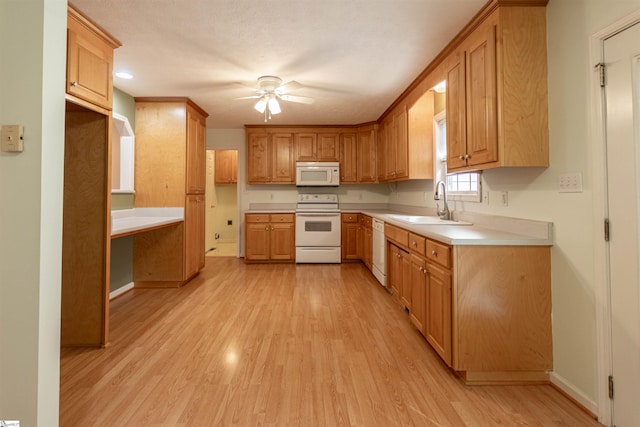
(497, 93)
(170, 172)
(447, 289)
(270, 237)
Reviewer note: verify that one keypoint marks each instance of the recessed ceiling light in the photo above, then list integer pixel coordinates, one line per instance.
(124, 75)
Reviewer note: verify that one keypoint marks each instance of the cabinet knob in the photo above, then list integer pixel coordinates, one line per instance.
(467, 156)
(434, 253)
(414, 243)
(424, 270)
(74, 84)
(461, 157)
(266, 228)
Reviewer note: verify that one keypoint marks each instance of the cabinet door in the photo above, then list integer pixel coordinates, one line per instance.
(194, 234)
(437, 326)
(390, 154)
(366, 156)
(482, 133)
(306, 146)
(226, 167)
(282, 169)
(348, 158)
(258, 158)
(282, 241)
(196, 153)
(401, 149)
(381, 152)
(405, 283)
(418, 290)
(349, 239)
(394, 265)
(368, 247)
(257, 243)
(455, 106)
(328, 147)
(200, 233)
(89, 65)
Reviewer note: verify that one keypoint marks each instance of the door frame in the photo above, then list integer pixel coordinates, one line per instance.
(600, 212)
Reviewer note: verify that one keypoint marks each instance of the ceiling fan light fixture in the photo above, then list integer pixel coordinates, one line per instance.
(261, 105)
(274, 106)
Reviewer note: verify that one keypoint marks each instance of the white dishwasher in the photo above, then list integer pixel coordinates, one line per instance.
(379, 252)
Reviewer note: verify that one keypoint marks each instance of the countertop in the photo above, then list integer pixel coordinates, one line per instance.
(485, 229)
(131, 221)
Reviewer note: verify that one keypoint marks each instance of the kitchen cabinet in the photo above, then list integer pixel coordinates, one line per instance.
(349, 236)
(366, 230)
(89, 60)
(270, 157)
(488, 320)
(86, 220)
(366, 154)
(348, 158)
(170, 172)
(226, 167)
(270, 237)
(497, 93)
(317, 147)
(397, 146)
(381, 149)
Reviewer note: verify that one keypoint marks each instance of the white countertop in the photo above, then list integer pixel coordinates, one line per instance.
(130, 221)
(487, 230)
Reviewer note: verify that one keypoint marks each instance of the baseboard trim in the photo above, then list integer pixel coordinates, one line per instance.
(120, 291)
(573, 394)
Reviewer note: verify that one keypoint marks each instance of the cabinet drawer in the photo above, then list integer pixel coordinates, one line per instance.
(417, 243)
(439, 253)
(397, 234)
(350, 217)
(257, 218)
(282, 217)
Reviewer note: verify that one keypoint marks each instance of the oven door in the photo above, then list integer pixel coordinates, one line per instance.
(317, 229)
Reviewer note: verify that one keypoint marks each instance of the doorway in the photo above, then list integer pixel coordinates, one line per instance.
(621, 103)
(221, 224)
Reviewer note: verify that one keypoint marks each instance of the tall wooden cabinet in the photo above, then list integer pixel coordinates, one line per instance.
(170, 172)
(86, 234)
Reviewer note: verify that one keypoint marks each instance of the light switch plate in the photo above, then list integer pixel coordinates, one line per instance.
(12, 138)
(570, 182)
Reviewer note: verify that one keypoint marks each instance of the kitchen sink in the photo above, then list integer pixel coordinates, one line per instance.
(425, 220)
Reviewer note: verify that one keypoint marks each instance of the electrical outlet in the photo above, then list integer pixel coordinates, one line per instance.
(485, 197)
(503, 198)
(426, 196)
(271, 196)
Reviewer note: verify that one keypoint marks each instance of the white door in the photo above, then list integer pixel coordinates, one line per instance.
(622, 60)
(210, 200)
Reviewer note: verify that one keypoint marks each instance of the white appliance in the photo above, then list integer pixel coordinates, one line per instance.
(379, 252)
(318, 229)
(318, 174)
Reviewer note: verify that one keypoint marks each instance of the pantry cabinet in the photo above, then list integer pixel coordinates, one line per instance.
(497, 93)
(86, 221)
(170, 172)
(270, 237)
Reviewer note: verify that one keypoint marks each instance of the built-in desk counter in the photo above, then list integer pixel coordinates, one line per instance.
(132, 221)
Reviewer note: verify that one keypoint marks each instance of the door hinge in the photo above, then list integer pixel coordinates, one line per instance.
(610, 386)
(606, 229)
(602, 71)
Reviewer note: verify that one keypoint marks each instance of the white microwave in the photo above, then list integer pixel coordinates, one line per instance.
(317, 174)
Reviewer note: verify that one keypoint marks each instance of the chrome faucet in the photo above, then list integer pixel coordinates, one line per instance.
(444, 213)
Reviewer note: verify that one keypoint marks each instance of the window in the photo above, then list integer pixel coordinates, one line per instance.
(465, 186)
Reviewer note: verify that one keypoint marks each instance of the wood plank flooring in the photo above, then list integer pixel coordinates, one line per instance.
(277, 345)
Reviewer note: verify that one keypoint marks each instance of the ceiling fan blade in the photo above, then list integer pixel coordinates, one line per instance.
(250, 97)
(288, 87)
(300, 99)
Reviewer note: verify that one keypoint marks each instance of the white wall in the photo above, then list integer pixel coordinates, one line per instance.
(32, 75)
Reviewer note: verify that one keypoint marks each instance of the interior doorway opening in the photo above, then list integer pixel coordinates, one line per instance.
(221, 224)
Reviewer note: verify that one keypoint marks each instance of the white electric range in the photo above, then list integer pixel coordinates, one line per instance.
(318, 229)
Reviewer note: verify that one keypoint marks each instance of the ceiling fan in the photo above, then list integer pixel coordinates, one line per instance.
(270, 90)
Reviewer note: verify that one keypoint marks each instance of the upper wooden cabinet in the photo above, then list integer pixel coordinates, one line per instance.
(366, 151)
(270, 157)
(196, 148)
(226, 167)
(317, 147)
(89, 60)
(497, 93)
(349, 158)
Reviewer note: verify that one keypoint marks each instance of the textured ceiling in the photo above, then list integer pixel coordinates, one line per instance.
(354, 57)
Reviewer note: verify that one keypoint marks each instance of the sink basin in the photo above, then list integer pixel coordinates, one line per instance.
(425, 220)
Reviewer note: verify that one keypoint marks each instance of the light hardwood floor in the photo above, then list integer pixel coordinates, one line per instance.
(279, 345)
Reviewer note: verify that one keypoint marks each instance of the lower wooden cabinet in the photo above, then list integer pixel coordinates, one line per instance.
(366, 229)
(436, 325)
(349, 237)
(270, 237)
(417, 293)
(194, 234)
